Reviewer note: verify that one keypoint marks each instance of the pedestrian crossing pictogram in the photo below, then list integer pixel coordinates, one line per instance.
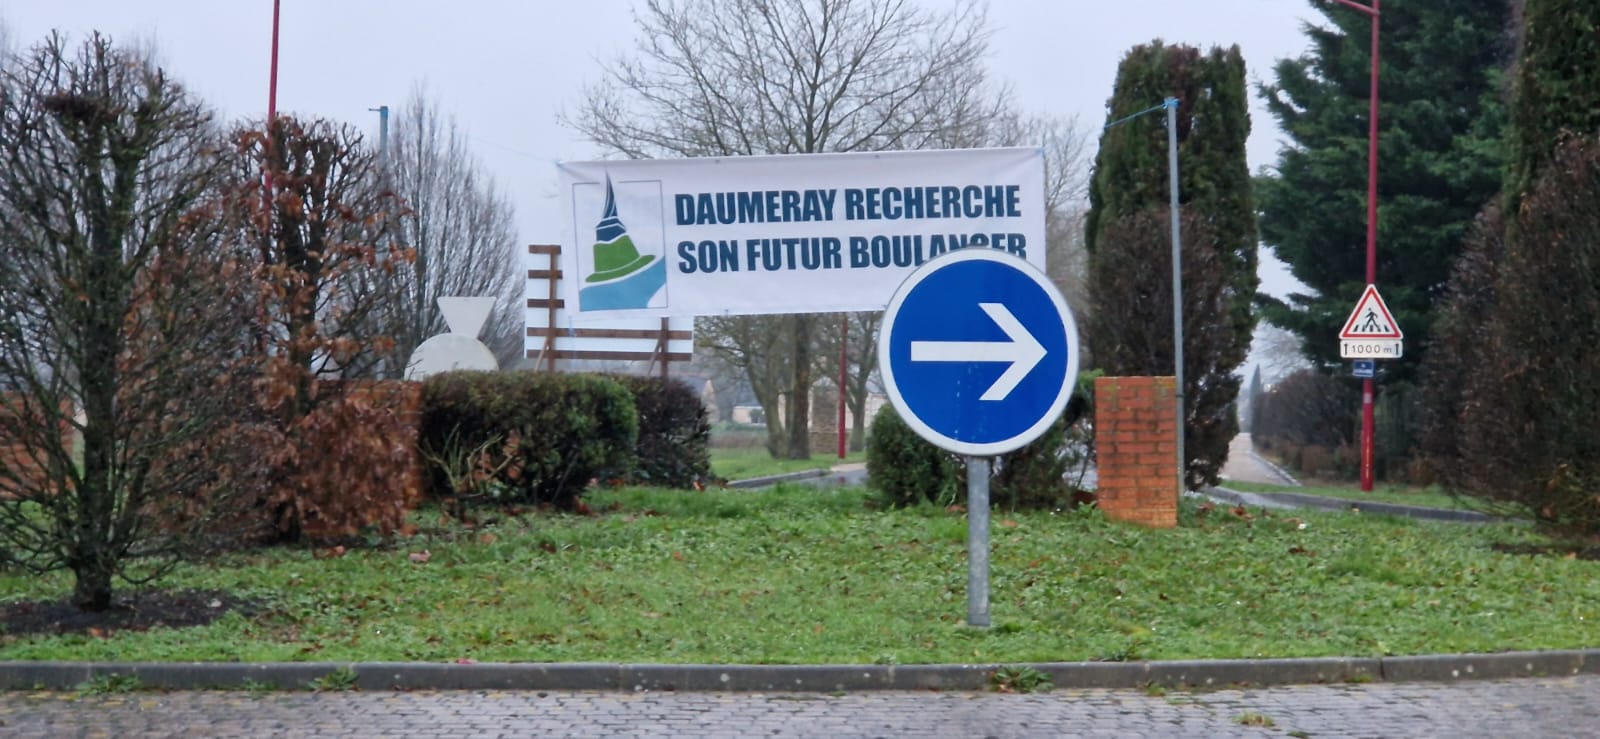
(1371, 319)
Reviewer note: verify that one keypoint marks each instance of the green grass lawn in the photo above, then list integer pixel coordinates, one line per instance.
(749, 462)
(1425, 497)
(800, 575)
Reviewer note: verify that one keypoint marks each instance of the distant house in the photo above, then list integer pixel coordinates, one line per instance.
(825, 406)
(749, 414)
(703, 386)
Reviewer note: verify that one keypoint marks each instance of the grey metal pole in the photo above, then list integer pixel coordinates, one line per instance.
(1171, 105)
(978, 541)
(383, 129)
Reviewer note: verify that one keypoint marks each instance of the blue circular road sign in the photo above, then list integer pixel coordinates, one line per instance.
(979, 352)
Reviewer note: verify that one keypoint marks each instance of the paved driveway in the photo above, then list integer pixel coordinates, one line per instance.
(1533, 707)
(1243, 464)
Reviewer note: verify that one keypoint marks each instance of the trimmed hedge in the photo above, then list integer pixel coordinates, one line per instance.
(906, 469)
(674, 448)
(524, 436)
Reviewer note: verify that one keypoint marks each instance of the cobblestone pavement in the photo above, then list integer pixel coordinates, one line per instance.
(1531, 707)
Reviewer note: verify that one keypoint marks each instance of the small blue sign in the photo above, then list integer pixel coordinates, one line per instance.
(1363, 367)
(979, 352)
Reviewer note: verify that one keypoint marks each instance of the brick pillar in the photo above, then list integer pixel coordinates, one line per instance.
(824, 431)
(1136, 436)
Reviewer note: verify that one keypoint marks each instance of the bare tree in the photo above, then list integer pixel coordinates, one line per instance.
(792, 77)
(1278, 352)
(112, 301)
(1066, 191)
(761, 350)
(461, 228)
(1067, 158)
(857, 333)
(320, 243)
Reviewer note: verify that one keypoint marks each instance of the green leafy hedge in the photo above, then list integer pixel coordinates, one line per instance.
(524, 436)
(674, 433)
(905, 469)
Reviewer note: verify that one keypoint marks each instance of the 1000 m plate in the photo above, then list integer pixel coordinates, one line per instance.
(1370, 348)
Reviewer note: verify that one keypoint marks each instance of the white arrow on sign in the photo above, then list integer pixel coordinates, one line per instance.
(1022, 351)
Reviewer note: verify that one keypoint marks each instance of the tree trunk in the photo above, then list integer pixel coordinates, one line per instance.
(91, 589)
(90, 540)
(769, 398)
(800, 398)
(858, 424)
(776, 435)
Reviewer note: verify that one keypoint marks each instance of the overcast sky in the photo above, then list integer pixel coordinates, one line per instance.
(505, 67)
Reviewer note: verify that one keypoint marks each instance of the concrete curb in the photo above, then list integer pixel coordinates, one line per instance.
(1301, 500)
(799, 678)
(760, 482)
(1276, 470)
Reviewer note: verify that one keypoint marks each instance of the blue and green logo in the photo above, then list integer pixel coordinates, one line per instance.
(621, 277)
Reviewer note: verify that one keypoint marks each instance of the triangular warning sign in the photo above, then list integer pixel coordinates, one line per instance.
(1371, 319)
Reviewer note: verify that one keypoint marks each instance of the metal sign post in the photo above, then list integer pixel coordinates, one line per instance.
(979, 353)
(1369, 333)
(977, 541)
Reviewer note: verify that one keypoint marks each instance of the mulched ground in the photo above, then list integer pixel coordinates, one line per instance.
(133, 611)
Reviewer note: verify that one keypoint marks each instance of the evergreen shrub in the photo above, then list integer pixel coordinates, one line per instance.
(524, 436)
(906, 469)
(674, 433)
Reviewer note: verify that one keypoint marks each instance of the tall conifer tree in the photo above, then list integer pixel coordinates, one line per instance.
(1440, 160)
(1128, 240)
(1557, 86)
(1513, 390)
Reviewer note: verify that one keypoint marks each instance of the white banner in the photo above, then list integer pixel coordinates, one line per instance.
(785, 234)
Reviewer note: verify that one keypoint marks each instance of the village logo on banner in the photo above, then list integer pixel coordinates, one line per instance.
(809, 233)
(624, 267)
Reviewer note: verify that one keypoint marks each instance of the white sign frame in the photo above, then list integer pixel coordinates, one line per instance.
(785, 234)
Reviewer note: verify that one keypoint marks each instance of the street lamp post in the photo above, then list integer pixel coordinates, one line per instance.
(1170, 105)
(1372, 12)
(383, 130)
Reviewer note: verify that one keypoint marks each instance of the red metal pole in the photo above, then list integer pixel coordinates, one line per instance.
(272, 111)
(1372, 158)
(844, 343)
(272, 85)
(1367, 391)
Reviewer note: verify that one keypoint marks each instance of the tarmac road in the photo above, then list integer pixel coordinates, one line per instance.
(1529, 707)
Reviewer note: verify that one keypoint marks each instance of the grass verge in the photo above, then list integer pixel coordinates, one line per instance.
(1425, 497)
(747, 463)
(795, 575)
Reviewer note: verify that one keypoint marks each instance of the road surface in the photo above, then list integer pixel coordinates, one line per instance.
(1532, 707)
